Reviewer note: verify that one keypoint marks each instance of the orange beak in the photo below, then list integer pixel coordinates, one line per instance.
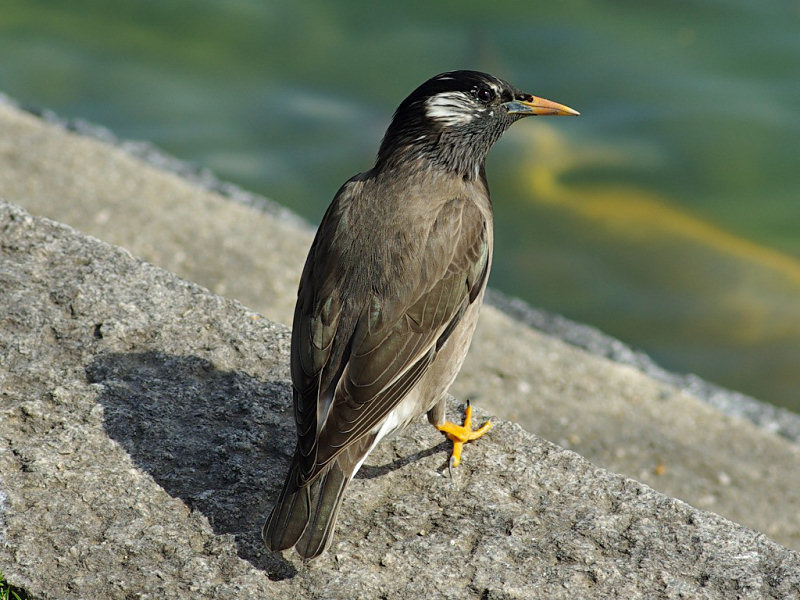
(527, 105)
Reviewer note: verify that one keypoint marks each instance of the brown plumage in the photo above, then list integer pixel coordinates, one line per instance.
(390, 292)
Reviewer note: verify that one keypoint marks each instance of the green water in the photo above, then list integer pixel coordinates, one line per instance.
(667, 214)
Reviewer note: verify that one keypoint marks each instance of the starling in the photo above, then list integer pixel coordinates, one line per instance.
(390, 293)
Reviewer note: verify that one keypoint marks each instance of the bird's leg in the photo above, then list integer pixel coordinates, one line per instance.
(461, 434)
(437, 415)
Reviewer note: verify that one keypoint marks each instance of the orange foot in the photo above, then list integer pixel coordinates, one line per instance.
(461, 434)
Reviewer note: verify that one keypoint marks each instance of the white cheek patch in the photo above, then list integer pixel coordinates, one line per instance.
(450, 108)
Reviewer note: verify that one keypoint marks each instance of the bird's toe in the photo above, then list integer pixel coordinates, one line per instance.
(461, 434)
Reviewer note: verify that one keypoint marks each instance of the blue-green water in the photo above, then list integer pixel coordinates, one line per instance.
(668, 214)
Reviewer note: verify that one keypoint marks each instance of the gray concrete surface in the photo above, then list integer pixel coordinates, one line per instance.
(618, 415)
(145, 426)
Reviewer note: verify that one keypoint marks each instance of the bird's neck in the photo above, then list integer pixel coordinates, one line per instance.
(425, 178)
(447, 153)
(414, 168)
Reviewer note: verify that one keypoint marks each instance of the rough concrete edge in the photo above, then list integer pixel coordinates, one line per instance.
(644, 494)
(152, 155)
(767, 416)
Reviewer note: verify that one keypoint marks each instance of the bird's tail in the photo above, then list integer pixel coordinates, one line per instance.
(304, 517)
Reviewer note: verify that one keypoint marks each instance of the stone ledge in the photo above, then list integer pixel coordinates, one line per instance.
(146, 424)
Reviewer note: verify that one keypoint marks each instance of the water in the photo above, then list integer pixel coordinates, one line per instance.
(667, 214)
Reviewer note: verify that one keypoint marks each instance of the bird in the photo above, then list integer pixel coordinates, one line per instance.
(390, 292)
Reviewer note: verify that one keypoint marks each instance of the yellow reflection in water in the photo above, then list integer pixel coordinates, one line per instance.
(759, 285)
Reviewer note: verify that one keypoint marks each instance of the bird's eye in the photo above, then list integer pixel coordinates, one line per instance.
(484, 94)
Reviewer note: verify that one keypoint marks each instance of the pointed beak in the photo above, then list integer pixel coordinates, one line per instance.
(527, 105)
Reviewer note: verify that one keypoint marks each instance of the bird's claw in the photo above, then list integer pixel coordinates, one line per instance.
(461, 434)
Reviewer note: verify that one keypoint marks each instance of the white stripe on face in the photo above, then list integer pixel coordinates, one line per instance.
(450, 108)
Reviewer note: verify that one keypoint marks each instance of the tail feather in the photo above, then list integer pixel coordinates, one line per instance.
(305, 516)
(326, 495)
(289, 516)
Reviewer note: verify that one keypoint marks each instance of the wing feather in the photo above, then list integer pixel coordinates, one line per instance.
(361, 343)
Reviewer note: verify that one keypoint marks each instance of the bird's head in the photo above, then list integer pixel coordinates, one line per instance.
(453, 119)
